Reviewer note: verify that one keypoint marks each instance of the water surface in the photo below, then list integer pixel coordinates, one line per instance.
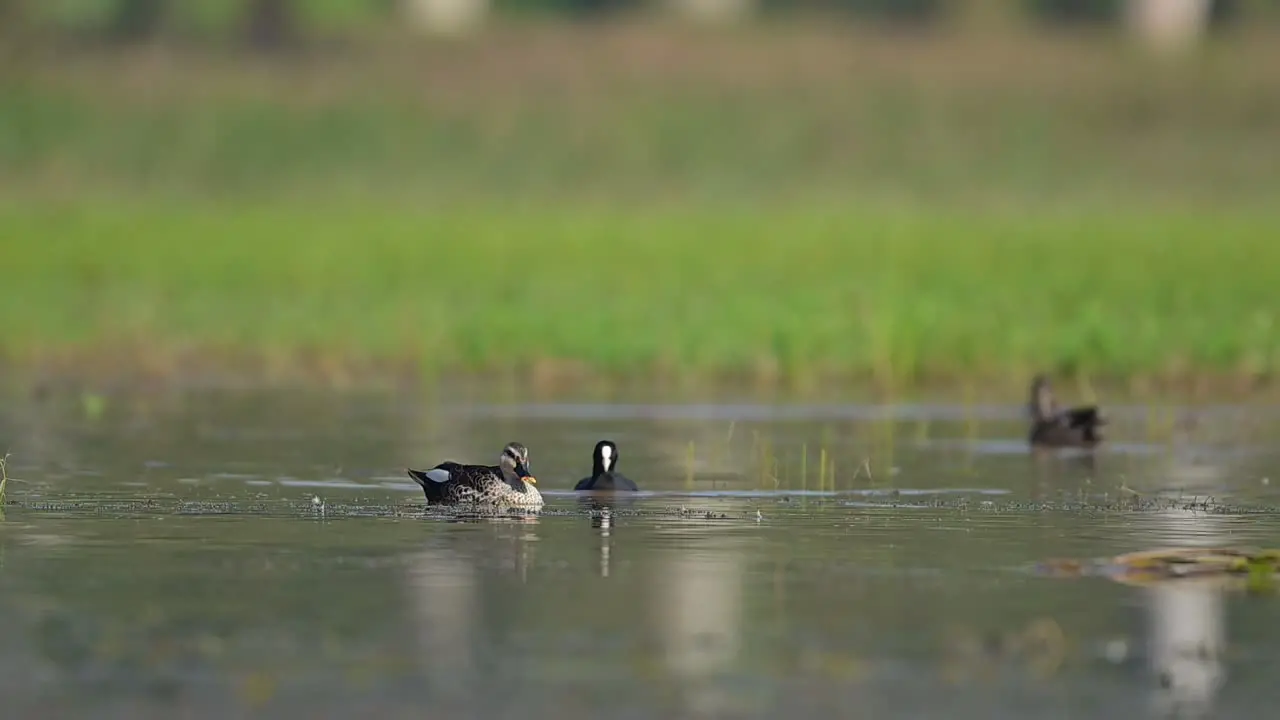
(261, 554)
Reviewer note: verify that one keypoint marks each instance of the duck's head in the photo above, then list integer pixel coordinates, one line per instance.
(515, 461)
(605, 457)
(1041, 402)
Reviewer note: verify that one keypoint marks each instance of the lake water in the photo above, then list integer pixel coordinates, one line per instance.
(247, 553)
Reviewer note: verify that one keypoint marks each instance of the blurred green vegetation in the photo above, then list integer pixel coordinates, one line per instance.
(635, 112)
(793, 200)
(802, 291)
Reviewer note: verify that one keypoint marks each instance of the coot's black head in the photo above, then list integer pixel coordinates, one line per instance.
(604, 458)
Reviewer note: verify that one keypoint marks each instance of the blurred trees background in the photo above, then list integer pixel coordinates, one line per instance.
(275, 23)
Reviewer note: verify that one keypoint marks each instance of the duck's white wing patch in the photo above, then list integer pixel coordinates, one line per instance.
(439, 475)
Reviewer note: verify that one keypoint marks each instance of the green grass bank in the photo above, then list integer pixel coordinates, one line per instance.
(797, 201)
(780, 291)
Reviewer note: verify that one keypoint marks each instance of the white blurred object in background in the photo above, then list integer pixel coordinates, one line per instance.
(714, 12)
(445, 17)
(1168, 25)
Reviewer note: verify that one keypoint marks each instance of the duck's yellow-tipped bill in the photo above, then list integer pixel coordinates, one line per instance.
(530, 479)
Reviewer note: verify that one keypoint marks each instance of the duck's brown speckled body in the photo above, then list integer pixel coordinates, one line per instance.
(507, 484)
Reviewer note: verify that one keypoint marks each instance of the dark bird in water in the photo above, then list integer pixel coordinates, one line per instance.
(1052, 427)
(603, 476)
(508, 483)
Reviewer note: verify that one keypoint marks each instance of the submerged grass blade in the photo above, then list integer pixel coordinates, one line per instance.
(804, 466)
(4, 480)
(689, 458)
